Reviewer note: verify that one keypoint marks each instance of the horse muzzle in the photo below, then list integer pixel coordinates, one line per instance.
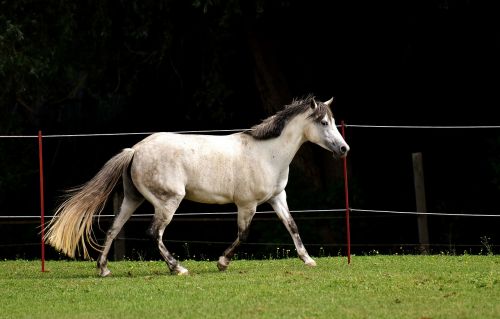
(344, 149)
(340, 150)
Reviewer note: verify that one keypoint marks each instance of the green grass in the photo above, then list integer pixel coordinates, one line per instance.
(371, 287)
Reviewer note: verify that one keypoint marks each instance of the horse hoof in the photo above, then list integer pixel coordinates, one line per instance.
(223, 263)
(311, 263)
(181, 271)
(105, 273)
(221, 267)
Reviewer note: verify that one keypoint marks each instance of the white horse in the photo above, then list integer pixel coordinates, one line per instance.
(248, 169)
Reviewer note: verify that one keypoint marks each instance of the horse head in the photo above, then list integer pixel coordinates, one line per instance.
(322, 130)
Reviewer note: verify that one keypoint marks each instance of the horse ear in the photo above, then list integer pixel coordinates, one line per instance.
(313, 104)
(329, 101)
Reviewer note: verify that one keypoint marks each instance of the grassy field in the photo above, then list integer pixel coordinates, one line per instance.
(371, 287)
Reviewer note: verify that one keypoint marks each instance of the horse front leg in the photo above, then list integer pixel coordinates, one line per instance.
(245, 215)
(280, 206)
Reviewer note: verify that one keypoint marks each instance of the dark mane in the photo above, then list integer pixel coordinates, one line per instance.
(274, 125)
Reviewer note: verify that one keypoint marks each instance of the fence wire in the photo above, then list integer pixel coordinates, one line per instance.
(357, 211)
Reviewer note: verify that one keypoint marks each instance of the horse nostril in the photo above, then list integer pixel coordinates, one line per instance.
(343, 149)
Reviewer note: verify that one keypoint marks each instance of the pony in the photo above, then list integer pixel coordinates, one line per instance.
(247, 168)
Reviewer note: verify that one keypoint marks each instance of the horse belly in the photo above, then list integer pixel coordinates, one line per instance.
(211, 185)
(204, 197)
(213, 193)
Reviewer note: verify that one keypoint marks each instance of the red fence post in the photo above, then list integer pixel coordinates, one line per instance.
(42, 201)
(347, 209)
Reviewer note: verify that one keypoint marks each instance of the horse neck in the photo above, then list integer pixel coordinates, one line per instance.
(284, 147)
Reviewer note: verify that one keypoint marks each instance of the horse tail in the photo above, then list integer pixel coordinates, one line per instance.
(71, 227)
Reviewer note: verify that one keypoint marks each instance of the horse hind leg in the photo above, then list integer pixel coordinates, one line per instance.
(164, 211)
(132, 199)
(129, 205)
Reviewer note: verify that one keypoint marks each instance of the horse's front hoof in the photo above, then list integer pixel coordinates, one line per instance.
(223, 263)
(104, 272)
(180, 271)
(311, 263)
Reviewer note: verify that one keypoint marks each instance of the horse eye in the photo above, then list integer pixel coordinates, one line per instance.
(324, 123)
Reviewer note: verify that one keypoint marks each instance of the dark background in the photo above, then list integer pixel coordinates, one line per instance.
(148, 66)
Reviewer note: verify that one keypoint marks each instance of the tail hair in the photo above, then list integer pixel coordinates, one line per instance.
(71, 227)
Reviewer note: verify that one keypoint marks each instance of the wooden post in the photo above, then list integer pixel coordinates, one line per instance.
(423, 231)
(119, 243)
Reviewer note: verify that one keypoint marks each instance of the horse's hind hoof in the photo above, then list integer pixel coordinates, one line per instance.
(221, 267)
(223, 263)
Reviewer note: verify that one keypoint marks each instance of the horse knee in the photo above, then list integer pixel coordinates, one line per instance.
(243, 234)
